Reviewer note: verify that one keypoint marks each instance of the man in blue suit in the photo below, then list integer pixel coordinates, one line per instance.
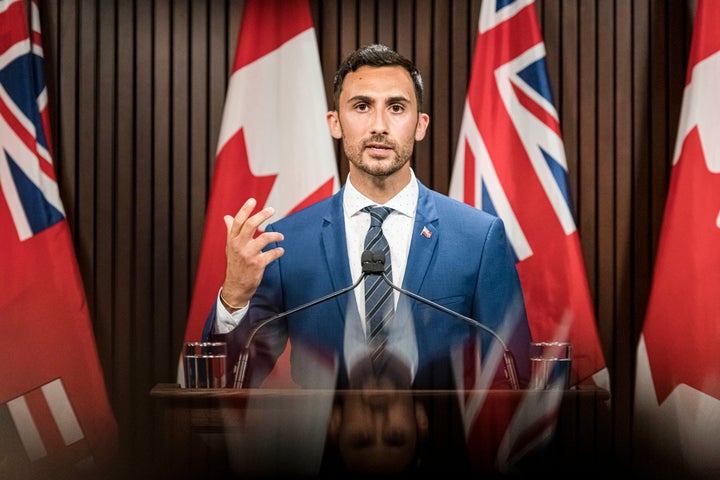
(441, 249)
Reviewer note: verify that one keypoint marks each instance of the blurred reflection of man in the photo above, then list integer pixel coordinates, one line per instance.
(378, 427)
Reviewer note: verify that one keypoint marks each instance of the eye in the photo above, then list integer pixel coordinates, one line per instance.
(362, 107)
(397, 108)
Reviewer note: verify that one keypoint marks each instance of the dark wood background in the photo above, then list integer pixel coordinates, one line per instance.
(136, 93)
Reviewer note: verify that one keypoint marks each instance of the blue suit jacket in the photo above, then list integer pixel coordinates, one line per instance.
(462, 261)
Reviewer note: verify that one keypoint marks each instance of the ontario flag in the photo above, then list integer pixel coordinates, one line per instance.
(510, 161)
(274, 143)
(55, 418)
(677, 390)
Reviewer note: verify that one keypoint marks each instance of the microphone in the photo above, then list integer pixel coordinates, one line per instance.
(241, 365)
(373, 263)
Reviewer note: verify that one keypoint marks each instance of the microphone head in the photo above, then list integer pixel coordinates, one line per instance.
(373, 262)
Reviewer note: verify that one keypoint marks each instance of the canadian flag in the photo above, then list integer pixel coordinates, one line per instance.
(274, 144)
(677, 390)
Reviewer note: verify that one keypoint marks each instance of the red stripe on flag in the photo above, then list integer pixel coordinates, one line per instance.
(289, 18)
(44, 421)
(14, 26)
(707, 20)
(325, 190)
(469, 175)
(533, 107)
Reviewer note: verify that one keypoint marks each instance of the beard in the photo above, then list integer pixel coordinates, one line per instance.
(376, 166)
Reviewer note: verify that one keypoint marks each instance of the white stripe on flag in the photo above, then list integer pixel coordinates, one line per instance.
(25, 425)
(63, 415)
(62, 411)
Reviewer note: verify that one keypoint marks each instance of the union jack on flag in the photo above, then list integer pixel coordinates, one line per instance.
(55, 417)
(510, 161)
(27, 175)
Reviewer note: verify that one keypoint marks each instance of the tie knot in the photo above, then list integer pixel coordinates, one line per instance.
(377, 214)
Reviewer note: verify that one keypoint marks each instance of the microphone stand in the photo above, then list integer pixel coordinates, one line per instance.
(374, 262)
(241, 365)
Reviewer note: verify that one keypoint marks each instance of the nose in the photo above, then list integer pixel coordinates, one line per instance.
(379, 124)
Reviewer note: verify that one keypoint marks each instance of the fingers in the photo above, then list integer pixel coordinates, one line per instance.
(272, 254)
(245, 225)
(242, 237)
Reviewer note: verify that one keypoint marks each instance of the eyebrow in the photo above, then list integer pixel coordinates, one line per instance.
(390, 100)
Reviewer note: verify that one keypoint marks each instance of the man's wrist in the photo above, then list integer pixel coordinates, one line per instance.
(229, 306)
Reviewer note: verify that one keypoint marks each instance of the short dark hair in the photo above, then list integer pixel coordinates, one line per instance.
(376, 55)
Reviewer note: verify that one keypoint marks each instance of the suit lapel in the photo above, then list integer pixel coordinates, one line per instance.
(334, 245)
(423, 242)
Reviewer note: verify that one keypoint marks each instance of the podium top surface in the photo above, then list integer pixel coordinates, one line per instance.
(175, 391)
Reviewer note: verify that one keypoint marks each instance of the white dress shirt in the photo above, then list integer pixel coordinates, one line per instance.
(397, 228)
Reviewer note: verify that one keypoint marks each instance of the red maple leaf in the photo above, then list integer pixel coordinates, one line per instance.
(234, 182)
(682, 326)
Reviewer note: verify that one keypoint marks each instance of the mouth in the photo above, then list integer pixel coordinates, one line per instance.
(378, 148)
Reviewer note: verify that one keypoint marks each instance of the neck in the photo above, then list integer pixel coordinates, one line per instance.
(380, 189)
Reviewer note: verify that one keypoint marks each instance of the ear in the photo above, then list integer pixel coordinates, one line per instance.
(333, 121)
(421, 127)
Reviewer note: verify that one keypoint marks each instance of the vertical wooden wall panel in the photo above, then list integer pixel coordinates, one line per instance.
(105, 183)
(567, 86)
(123, 318)
(422, 56)
(327, 31)
(642, 254)
(605, 158)
(463, 28)
(137, 93)
(86, 134)
(200, 176)
(163, 252)
(169, 274)
(624, 347)
(385, 22)
(404, 25)
(442, 73)
(184, 258)
(657, 91)
(367, 16)
(587, 140)
(549, 20)
(66, 102)
(143, 199)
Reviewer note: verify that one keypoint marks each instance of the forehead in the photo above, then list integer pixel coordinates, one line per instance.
(378, 83)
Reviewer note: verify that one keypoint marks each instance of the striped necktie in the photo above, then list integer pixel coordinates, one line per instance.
(379, 307)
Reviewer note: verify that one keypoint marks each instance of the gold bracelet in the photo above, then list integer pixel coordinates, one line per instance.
(227, 304)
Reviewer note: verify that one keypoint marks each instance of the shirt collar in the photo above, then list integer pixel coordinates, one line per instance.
(405, 202)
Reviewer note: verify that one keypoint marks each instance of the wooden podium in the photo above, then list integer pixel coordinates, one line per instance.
(254, 433)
